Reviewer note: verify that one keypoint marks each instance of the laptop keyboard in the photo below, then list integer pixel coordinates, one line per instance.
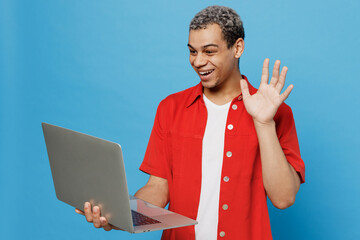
(140, 219)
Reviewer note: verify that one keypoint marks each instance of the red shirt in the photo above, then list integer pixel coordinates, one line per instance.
(174, 153)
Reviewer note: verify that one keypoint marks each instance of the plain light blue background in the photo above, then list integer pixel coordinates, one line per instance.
(102, 67)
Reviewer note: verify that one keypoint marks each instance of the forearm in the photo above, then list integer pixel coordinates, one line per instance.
(154, 192)
(280, 180)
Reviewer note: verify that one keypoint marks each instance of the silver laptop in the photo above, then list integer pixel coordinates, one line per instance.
(86, 168)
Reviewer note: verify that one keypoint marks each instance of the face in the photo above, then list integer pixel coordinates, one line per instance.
(210, 57)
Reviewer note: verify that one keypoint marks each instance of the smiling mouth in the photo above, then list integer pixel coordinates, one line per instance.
(205, 73)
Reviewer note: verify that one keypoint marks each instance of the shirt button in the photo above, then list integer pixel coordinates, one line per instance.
(222, 234)
(226, 179)
(230, 126)
(225, 207)
(234, 106)
(229, 154)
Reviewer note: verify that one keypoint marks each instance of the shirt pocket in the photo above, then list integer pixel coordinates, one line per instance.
(185, 155)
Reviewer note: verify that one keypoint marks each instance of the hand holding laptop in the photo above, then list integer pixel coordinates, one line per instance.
(93, 215)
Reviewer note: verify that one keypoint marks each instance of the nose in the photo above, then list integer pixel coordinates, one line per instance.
(199, 60)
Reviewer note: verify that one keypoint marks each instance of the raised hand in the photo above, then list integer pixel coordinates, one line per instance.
(263, 105)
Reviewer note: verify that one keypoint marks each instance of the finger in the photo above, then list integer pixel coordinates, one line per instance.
(113, 227)
(244, 89)
(105, 224)
(281, 82)
(265, 71)
(96, 216)
(79, 211)
(275, 74)
(286, 93)
(88, 212)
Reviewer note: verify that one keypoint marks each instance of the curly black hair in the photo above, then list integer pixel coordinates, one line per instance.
(228, 20)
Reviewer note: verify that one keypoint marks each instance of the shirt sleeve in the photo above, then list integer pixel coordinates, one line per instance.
(155, 160)
(286, 131)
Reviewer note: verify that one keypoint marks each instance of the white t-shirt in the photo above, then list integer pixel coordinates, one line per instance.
(212, 159)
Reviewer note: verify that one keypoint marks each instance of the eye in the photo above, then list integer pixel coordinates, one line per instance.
(210, 51)
(192, 52)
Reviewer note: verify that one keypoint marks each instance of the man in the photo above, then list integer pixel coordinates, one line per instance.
(218, 149)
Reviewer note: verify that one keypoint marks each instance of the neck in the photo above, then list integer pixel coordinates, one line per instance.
(226, 91)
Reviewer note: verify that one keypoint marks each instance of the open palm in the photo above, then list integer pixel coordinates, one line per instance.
(263, 105)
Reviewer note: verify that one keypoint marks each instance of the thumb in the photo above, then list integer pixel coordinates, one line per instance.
(244, 89)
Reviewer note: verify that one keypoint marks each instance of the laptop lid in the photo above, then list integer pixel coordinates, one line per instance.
(87, 168)
(81, 166)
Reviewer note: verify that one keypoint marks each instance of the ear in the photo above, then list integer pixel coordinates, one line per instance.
(239, 47)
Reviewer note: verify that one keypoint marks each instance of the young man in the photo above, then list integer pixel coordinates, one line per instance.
(218, 149)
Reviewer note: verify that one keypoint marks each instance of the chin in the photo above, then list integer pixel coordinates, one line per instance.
(209, 84)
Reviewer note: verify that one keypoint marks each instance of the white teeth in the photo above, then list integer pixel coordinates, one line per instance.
(207, 72)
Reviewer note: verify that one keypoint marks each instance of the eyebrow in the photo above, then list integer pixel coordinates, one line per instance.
(205, 46)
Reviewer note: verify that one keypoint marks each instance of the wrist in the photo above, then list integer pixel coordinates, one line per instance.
(264, 125)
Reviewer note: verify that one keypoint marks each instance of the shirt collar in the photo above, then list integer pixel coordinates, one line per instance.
(198, 92)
